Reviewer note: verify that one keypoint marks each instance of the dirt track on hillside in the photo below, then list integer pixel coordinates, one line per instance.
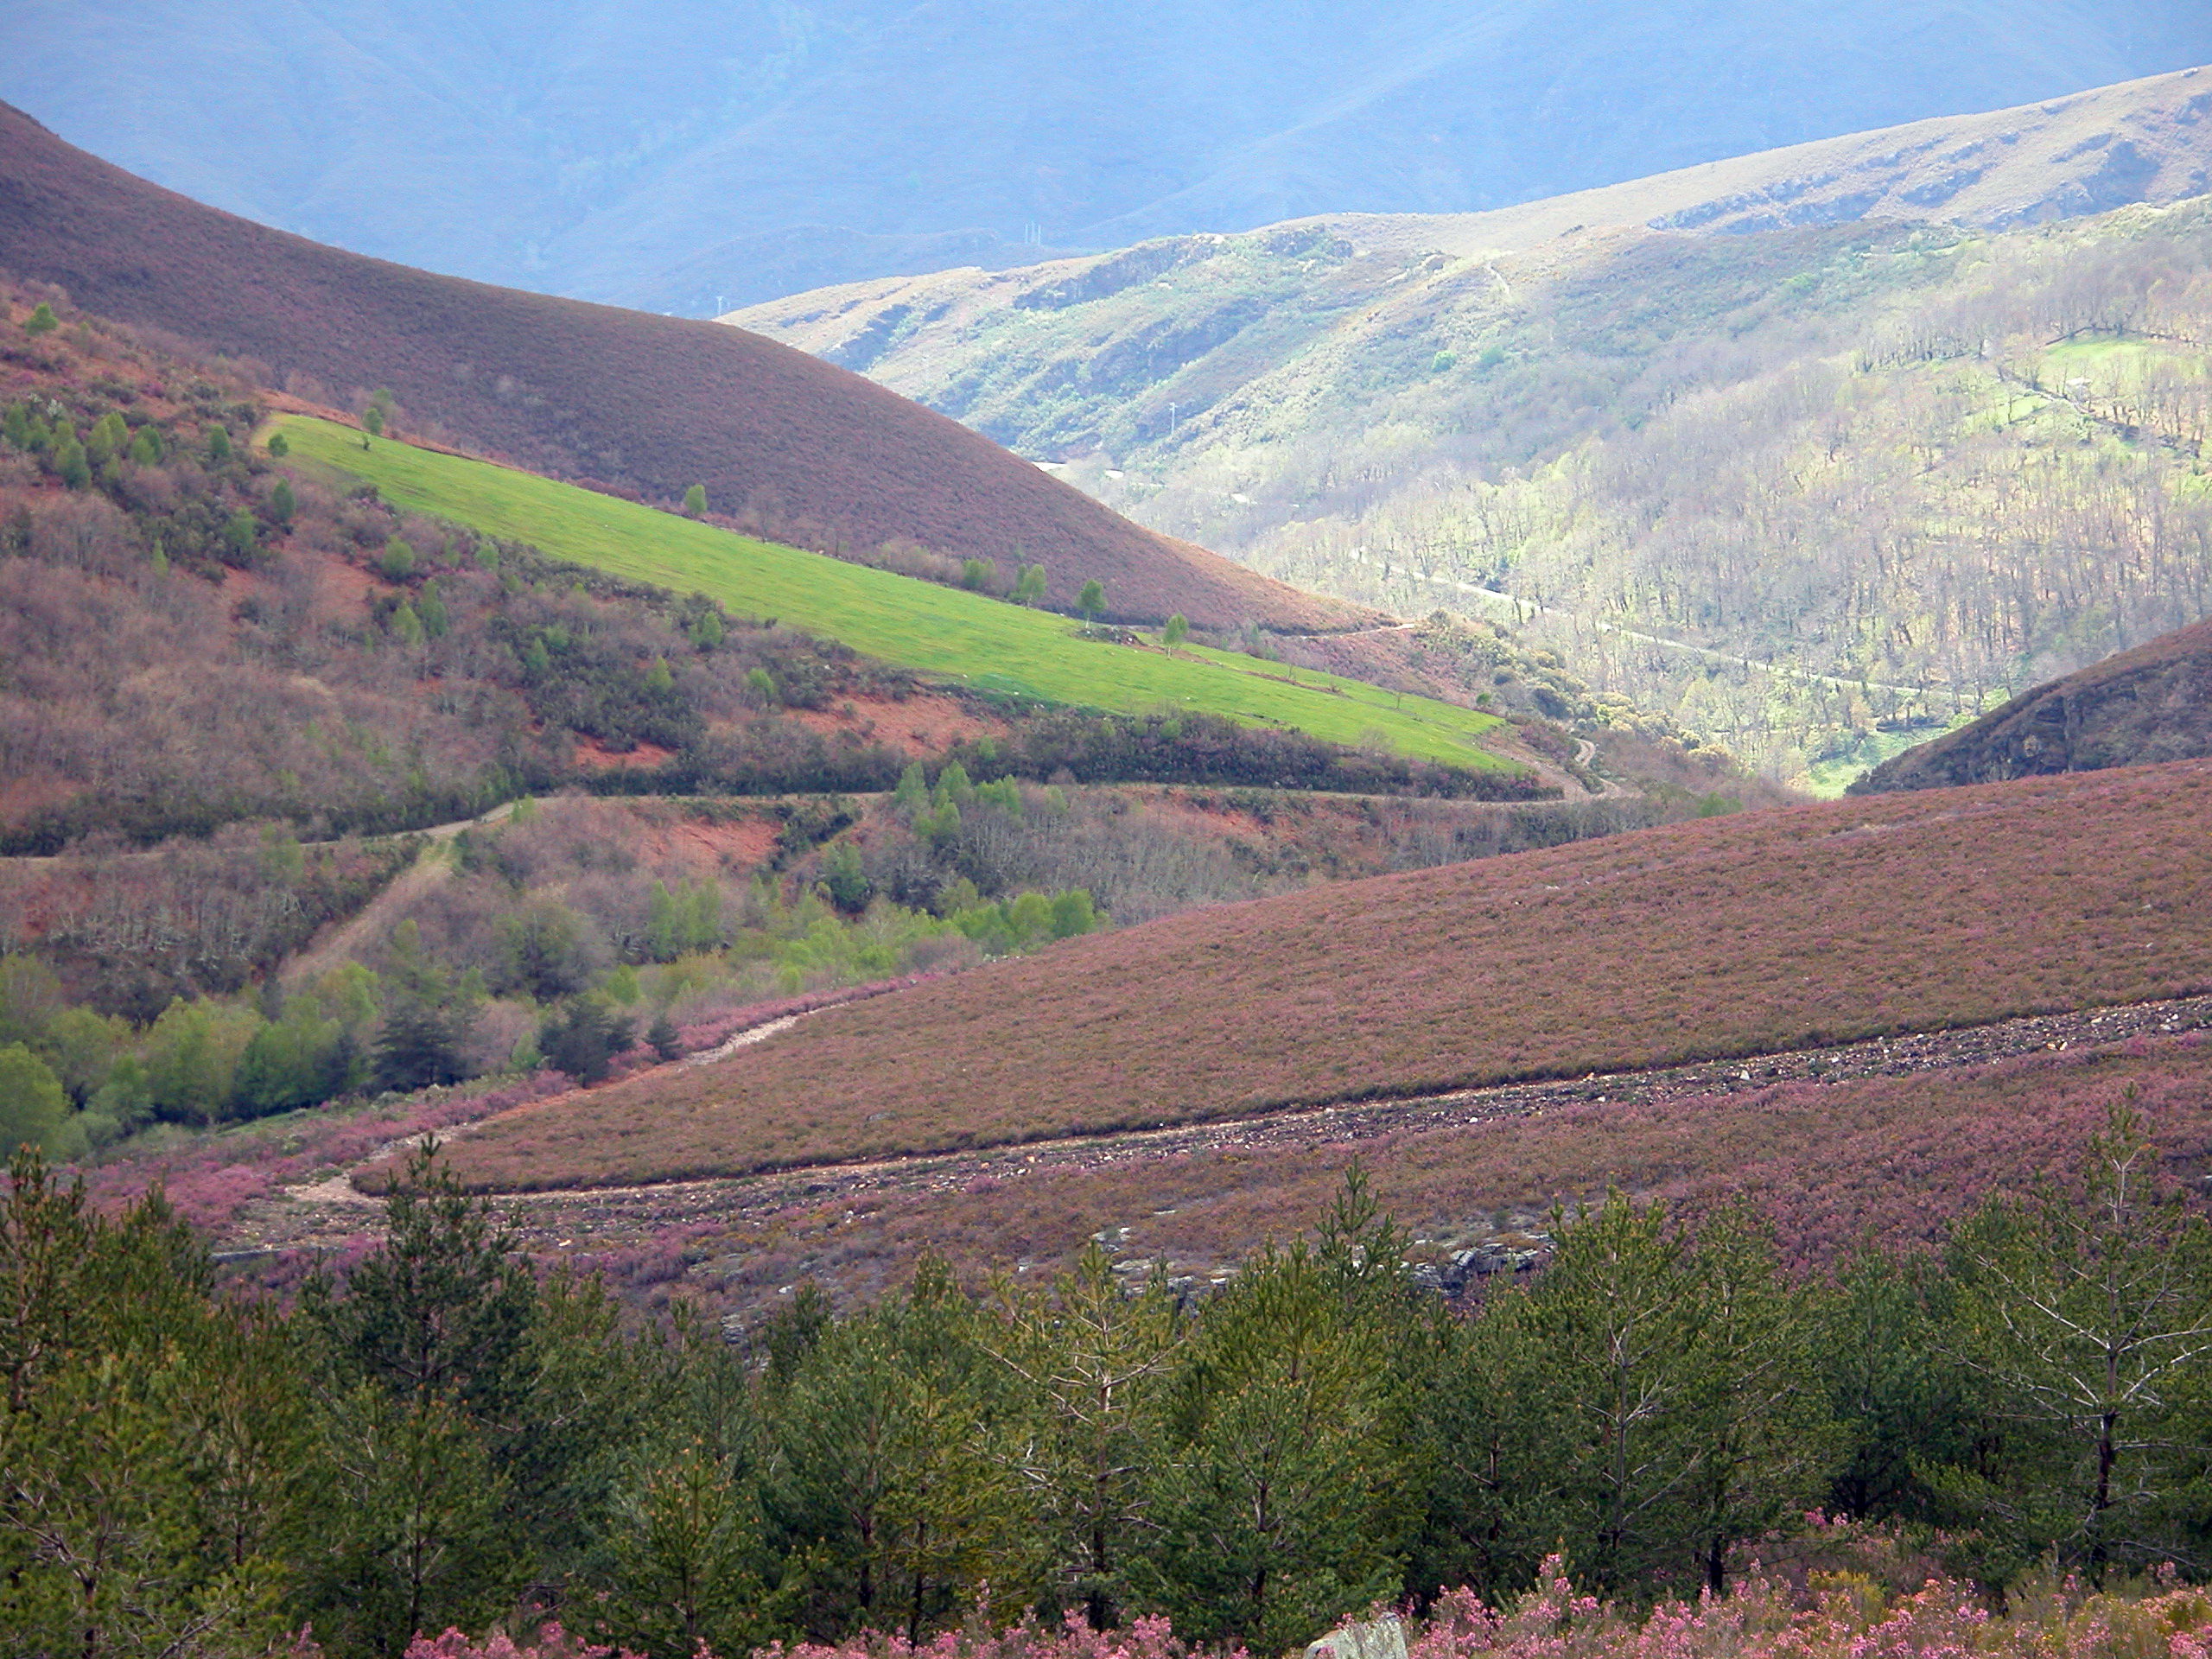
(624, 1217)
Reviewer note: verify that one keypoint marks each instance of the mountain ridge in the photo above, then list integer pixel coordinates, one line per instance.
(811, 453)
(704, 151)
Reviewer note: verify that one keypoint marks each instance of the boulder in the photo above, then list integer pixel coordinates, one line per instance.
(1380, 1639)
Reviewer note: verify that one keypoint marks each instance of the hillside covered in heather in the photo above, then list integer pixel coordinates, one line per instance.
(791, 447)
(1740, 935)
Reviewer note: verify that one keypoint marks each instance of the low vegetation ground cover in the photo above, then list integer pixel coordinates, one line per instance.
(1833, 1165)
(899, 619)
(798, 450)
(1747, 934)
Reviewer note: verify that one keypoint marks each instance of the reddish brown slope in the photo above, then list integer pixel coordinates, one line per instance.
(2149, 704)
(811, 453)
(1744, 934)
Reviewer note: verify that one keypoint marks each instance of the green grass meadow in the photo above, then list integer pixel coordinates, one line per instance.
(942, 631)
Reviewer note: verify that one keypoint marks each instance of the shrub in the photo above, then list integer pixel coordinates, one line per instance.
(33, 1110)
(584, 1040)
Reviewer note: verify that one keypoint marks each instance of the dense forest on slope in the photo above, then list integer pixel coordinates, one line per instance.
(434, 1434)
(1800, 490)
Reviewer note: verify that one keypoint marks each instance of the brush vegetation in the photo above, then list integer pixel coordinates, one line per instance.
(1737, 936)
(984, 642)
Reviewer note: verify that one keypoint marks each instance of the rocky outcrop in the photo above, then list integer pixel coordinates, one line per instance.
(2149, 704)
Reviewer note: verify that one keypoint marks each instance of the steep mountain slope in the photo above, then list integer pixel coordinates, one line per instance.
(806, 452)
(665, 157)
(1800, 488)
(1733, 935)
(2142, 141)
(2149, 704)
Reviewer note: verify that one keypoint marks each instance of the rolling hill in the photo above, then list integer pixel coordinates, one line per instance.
(990, 645)
(806, 452)
(1737, 936)
(1811, 489)
(663, 159)
(2149, 704)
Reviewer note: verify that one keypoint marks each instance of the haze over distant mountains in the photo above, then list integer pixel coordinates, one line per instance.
(693, 156)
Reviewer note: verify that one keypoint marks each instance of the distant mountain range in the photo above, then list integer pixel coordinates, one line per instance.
(694, 157)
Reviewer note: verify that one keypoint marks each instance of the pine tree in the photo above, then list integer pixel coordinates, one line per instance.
(584, 1040)
(912, 794)
(431, 1366)
(2086, 1326)
(1093, 1362)
(109, 438)
(419, 1045)
(242, 538)
(1281, 1505)
(431, 609)
(69, 461)
(844, 878)
(41, 320)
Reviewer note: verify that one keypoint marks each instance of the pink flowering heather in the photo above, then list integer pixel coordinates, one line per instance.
(1145, 1638)
(552, 1643)
(1835, 1614)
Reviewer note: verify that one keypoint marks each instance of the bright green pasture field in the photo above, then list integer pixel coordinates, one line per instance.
(940, 630)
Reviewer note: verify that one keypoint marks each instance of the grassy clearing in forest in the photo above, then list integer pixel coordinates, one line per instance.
(943, 631)
(1746, 935)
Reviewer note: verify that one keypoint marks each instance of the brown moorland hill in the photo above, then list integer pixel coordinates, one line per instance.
(798, 449)
(1736, 936)
(2149, 704)
(1891, 1159)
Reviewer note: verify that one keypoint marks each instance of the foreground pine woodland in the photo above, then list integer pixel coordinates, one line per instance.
(435, 1436)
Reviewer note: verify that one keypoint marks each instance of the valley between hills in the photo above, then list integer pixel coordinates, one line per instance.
(1120, 957)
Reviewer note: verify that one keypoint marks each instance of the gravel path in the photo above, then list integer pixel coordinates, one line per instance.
(324, 1216)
